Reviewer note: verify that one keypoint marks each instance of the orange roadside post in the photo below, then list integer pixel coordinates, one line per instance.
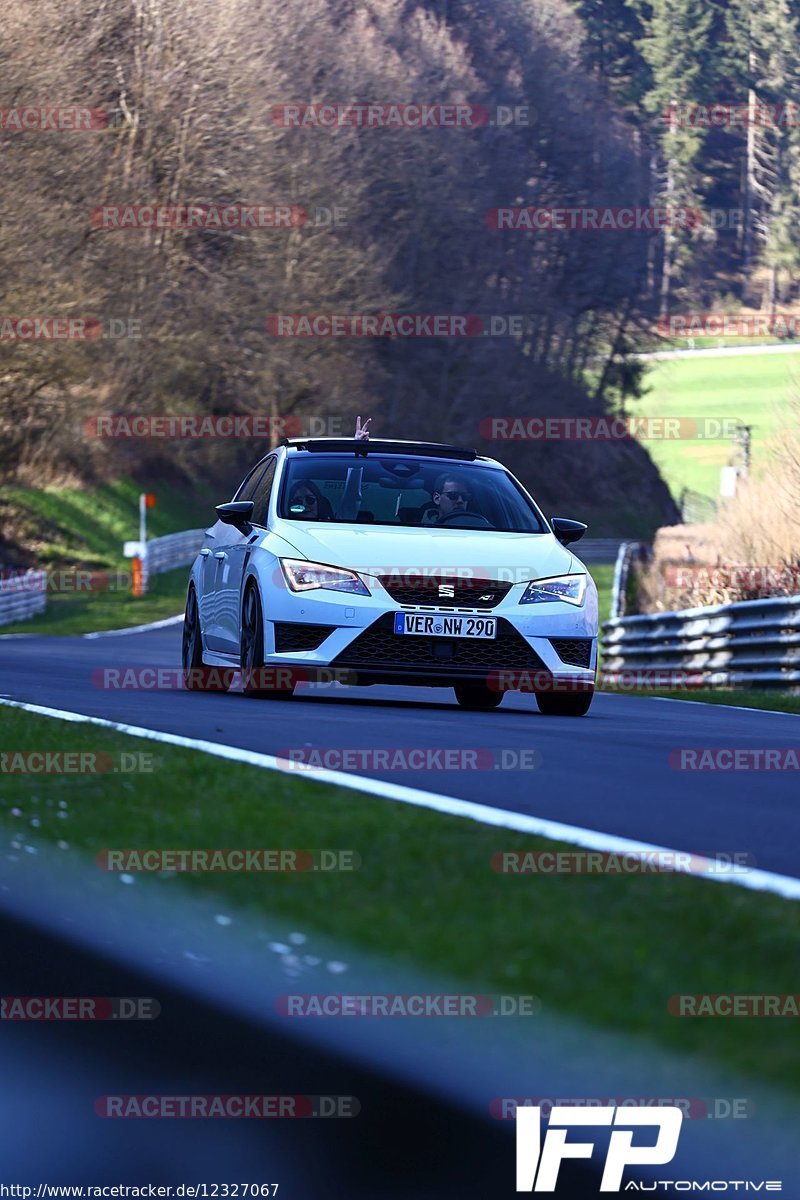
(137, 577)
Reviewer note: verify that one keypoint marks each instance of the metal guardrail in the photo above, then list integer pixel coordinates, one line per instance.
(22, 596)
(173, 550)
(753, 643)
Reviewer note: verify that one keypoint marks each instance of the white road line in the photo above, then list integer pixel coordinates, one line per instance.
(592, 839)
(715, 352)
(134, 628)
(773, 712)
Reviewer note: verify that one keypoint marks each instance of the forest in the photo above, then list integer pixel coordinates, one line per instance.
(686, 106)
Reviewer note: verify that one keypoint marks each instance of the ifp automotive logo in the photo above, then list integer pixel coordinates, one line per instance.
(538, 1165)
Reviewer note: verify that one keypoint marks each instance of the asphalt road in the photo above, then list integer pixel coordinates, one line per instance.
(608, 771)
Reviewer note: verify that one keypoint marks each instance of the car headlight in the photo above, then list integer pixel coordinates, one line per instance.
(305, 576)
(571, 588)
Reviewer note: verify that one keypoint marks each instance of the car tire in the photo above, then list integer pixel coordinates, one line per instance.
(197, 677)
(553, 704)
(477, 696)
(251, 654)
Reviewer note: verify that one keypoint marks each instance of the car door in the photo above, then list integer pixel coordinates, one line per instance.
(232, 558)
(214, 554)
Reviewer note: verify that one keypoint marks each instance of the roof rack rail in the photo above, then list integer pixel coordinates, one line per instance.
(381, 446)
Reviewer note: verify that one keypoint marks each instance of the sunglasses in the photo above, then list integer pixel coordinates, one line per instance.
(466, 496)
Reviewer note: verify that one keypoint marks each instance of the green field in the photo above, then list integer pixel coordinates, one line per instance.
(600, 948)
(750, 389)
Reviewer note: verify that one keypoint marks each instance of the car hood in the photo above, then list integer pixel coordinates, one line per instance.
(379, 549)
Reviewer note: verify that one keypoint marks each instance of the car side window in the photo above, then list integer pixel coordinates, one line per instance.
(247, 489)
(260, 496)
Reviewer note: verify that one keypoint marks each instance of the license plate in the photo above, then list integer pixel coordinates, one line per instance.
(445, 625)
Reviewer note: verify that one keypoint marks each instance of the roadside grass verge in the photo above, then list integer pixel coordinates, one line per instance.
(603, 575)
(606, 950)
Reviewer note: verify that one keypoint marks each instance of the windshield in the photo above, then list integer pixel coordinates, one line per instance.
(404, 491)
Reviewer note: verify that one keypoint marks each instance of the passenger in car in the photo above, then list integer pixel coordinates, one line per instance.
(307, 503)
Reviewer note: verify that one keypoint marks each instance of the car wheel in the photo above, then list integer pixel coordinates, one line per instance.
(255, 676)
(197, 677)
(552, 704)
(477, 696)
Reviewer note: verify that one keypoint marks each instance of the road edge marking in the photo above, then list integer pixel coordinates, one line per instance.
(166, 621)
(592, 839)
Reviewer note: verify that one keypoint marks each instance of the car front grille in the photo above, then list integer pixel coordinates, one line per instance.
(577, 652)
(296, 636)
(425, 589)
(381, 646)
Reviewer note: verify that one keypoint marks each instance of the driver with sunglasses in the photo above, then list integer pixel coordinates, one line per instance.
(450, 495)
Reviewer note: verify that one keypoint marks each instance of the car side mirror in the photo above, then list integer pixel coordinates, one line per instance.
(236, 513)
(568, 531)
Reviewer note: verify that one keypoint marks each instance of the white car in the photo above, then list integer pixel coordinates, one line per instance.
(391, 562)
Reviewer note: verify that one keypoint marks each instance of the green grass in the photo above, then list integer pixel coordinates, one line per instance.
(603, 575)
(71, 526)
(748, 389)
(606, 950)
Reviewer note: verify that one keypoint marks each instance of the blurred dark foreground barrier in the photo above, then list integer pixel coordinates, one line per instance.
(420, 1125)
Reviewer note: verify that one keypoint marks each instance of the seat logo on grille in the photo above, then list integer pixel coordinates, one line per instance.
(447, 591)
